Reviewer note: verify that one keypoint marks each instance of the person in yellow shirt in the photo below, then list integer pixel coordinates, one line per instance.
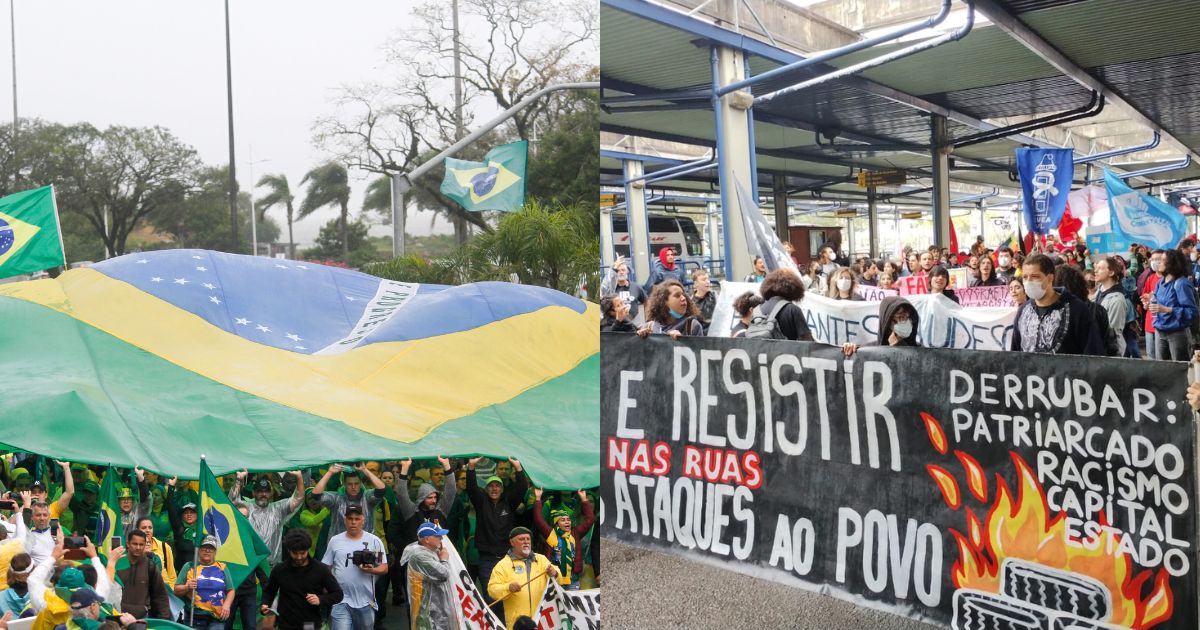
(159, 549)
(519, 578)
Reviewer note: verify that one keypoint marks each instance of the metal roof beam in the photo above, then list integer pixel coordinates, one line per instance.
(1029, 38)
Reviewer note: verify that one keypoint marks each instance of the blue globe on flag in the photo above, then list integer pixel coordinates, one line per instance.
(8, 237)
(217, 524)
(483, 183)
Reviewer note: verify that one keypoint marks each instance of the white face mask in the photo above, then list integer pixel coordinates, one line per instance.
(843, 284)
(1004, 260)
(1034, 290)
(903, 329)
(1155, 265)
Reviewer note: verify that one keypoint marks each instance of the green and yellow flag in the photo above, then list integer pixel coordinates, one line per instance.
(108, 524)
(30, 238)
(497, 183)
(241, 549)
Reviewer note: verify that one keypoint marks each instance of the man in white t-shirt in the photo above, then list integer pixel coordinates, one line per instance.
(356, 557)
(39, 540)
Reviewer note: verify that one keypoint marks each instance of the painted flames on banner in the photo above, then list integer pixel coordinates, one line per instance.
(1020, 532)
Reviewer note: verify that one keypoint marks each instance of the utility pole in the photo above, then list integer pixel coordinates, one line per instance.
(233, 185)
(12, 21)
(460, 227)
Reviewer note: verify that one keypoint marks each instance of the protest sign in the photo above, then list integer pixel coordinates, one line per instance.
(559, 609)
(984, 296)
(960, 277)
(943, 324)
(912, 285)
(873, 294)
(967, 489)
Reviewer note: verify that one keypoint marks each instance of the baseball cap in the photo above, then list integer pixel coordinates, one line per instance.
(70, 578)
(211, 541)
(83, 598)
(262, 484)
(517, 531)
(188, 506)
(353, 508)
(491, 479)
(91, 486)
(38, 485)
(125, 493)
(430, 529)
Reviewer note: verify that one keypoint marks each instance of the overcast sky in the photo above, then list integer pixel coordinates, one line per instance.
(151, 62)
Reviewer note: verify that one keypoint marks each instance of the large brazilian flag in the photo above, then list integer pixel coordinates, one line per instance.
(156, 358)
(241, 549)
(496, 183)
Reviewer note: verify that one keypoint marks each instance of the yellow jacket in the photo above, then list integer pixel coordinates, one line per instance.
(8, 549)
(167, 558)
(526, 601)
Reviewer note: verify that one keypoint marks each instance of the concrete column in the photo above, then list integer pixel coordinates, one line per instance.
(872, 222)
(941, 181)
(637, 221)
(607, 251)
(733, 156)
(781, 207)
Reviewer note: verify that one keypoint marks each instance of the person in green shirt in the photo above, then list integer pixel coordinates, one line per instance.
(312, 517)
(158, 515)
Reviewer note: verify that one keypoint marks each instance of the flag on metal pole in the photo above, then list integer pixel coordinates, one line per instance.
(1045, 183)
(108, 524)
(30, 236)
(496, 183)
(761, 240)
(241, 549)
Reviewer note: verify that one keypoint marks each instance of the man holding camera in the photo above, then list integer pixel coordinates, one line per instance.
(356, 557)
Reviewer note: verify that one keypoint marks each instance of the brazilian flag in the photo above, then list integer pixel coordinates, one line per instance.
(496, 183)
(30, 238)
(241, 549)
(108, 524)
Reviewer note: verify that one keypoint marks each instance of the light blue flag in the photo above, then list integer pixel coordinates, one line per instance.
(1140, 218)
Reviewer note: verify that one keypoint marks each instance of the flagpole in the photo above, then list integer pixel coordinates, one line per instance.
(196, 549)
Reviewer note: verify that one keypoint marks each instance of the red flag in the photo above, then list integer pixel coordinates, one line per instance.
(1069, 226)
(953, 240)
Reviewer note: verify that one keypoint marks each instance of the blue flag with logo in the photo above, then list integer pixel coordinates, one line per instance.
(1140, 218)
(1045, 183)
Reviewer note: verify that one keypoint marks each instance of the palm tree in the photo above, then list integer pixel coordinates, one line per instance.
(280, 194)
(328, 184)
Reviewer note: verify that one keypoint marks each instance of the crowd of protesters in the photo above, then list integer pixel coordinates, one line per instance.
(1141, 303)
(313, 521)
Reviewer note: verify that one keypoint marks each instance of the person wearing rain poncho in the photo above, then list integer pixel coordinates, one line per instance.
(431, 602)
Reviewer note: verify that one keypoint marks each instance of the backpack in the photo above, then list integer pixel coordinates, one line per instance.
(765, 325)
(1131, 310)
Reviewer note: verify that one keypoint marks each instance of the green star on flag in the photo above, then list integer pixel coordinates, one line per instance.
(30, 238)
(496, 183)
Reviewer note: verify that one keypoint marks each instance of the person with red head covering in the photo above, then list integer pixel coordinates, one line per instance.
(665, 268)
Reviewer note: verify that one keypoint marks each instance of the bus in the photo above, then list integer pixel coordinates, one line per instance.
(666, 230)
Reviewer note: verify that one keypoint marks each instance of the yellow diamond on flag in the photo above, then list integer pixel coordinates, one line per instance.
(504, 180)
(20, 232)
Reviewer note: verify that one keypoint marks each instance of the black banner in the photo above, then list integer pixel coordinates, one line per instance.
(979, 489)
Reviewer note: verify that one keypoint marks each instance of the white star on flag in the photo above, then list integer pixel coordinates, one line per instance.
(182, 281)
(208, 285)
(142, 261)
(282, 266)
(293, 337)
(349, 299)
(201, 269)
(301, 267)
(301, 348)
(242, 321)
(156, 279)
(263, 328)
(213, 299)
(198, 257)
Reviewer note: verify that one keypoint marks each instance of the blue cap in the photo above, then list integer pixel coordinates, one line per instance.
(430, 529)
(84, 597)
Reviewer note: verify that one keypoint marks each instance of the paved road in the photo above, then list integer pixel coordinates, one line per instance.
(651, 590)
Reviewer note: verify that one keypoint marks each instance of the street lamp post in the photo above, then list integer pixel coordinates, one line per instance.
(233, 185)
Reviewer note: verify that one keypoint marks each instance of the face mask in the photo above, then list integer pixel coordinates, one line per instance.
(1154, 265)
(903, 329)
(1195, 256)
(675, 314)
(1034, 290)
(843, 284)
(1004, 260)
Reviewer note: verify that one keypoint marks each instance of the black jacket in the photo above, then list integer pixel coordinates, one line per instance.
(494, 521)
(184, 547)
(293, 583)
(887, 309)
